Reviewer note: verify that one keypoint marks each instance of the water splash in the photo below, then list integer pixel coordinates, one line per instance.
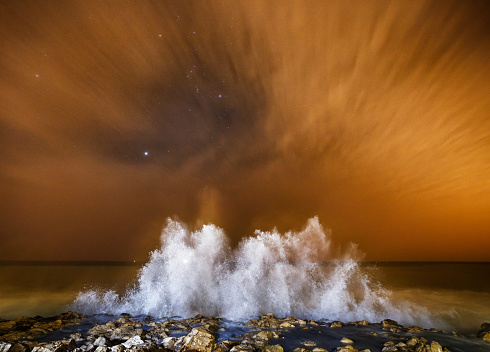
(287, 274)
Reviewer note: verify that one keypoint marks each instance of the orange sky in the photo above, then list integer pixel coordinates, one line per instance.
(373, 115)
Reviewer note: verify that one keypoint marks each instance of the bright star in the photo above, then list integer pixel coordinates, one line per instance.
(146, 153)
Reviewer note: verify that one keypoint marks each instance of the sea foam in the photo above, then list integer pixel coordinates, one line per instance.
(291, 274)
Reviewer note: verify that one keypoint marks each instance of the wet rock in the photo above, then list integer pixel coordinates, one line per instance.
(413, 329)
(412, 342)
(391, 326)
(87, 347)
(40, 349)
(257, 344)
(133, 342)
(70, 344)
(176, 343)
(12, 347)
(200, 340)
(54, 346)
(104, 330)
(424, 346)
(170, 343)
(484, 332)
(318, 349)
(265, 321)
(5, 346)
(346, 340)
(25, 328)
(435, 347)
(336, 324)
(485, 336)
(227, 345)
(248, 342)
(157, 332)
(347, 348)
(209, 323)
(360, 323)
(273, 334)
(118, 348)
(401, 345)
(17, 347)
(7, 325)
(270, 322)
(261, 338)
(309, 343)
(301, 349)
(120, 330)
(77, 337)
(274, 348)
(125, 332)
(485, 327)
(389, 322)
(100, 341)
(262, 335)
(242, 348)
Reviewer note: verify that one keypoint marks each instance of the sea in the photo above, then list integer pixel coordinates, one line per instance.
(455, 295)
(197, 272)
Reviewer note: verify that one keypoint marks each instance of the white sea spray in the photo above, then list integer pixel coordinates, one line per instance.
(291, 274)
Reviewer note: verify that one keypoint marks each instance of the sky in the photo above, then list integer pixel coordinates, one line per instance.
(372, 115)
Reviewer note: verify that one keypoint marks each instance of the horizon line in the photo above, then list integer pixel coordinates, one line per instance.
(139, 262)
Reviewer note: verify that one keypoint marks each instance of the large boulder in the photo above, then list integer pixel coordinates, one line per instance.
(199, 340)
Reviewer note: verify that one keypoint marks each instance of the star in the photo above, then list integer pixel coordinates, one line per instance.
(146, 153)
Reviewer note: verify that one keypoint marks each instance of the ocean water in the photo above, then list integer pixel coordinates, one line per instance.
(287, 274)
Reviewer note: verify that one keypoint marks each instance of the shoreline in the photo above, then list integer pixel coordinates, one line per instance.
(102, 333)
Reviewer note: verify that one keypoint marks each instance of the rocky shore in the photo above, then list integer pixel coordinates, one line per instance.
(72, 332)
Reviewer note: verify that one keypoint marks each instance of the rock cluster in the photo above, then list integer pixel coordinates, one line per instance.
(484, 332)
(199, 334)
(24, 328)
(270, 321)
(414, 344)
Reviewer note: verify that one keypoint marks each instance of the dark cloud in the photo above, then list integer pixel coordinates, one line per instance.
(372, 115)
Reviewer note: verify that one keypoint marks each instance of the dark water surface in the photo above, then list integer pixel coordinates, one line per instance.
(457, 295)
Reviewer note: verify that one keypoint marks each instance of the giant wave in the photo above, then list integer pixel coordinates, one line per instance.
(291, 274)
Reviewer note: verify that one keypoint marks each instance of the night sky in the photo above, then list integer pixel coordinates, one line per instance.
(373, 115)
